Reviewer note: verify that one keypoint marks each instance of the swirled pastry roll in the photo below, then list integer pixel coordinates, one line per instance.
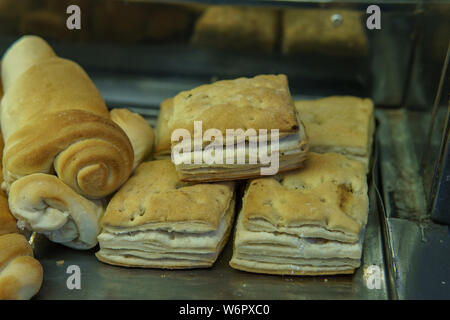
(43, 203)
(54, 119)
(20, 274)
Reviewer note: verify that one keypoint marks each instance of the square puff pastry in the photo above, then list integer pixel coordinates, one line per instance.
(342, 124)
(262, 102)
(162, 134)
(306, 222)
(157, 221)
(239, 28)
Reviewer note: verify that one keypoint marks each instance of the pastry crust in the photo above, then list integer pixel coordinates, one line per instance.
(20, 274)
(259, 103)
(330, 192)
(88, 151)
(312, 31)
(262, 102)
(162, 133)
(232, 27)
(155, 220)
(138, 131)
(342, 124)
(7, 221)
(305, 222)
(43, 203)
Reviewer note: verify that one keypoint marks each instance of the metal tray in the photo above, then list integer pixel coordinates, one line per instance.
(102, 281)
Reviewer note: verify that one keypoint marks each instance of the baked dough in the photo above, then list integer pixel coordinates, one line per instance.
(312, 31)
(260, 103)
(20, 274)
(44, 204)
(88, 151)
(7, 221)
(341, 124)
(306, 221)
(162, 134)
(157, 221)
(138, 131)
(238, 28)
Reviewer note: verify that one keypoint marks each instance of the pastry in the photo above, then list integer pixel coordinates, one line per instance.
(162, 134)
(238, 28)
(86, 150)
(138, 131)
(7, 221)
(324, 31)
(309, 221)
(262, 104)
(157, 221)
(341, 124)
(44, 204)
(20, 274)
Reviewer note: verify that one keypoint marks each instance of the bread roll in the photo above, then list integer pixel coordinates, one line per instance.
(54, 118)
(138, 131)
(43, 203)
(20, 274)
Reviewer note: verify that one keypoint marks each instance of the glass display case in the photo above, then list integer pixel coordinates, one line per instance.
(140, 53)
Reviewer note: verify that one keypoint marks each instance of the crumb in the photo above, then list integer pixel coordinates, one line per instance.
(59, 262)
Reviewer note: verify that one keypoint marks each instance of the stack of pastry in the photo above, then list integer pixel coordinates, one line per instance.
(305, 222)
(341, 124)
(258, 105)
(156, 220)
(57, 183)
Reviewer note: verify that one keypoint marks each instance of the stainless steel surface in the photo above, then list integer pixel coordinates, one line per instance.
(417, 249)
(102, 281)
(421, 259)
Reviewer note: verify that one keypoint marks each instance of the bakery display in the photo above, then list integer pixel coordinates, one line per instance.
(139, 132)
(309, 221)
(86, 150)
(253, 105)
(44, 204)
(342, 124)
(162, 134)
(157, 221)
(20, 274)
(333, 32)
(238, 28)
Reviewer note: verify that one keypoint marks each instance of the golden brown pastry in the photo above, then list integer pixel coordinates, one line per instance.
(341, 124)
(323, 31)
(162, 134)
(261, 104)
(309, 221)
(7, 221)
(20, 274)
(157, 221)
(44, 204)
(138, 131)
(232, 27)
(87, 151)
